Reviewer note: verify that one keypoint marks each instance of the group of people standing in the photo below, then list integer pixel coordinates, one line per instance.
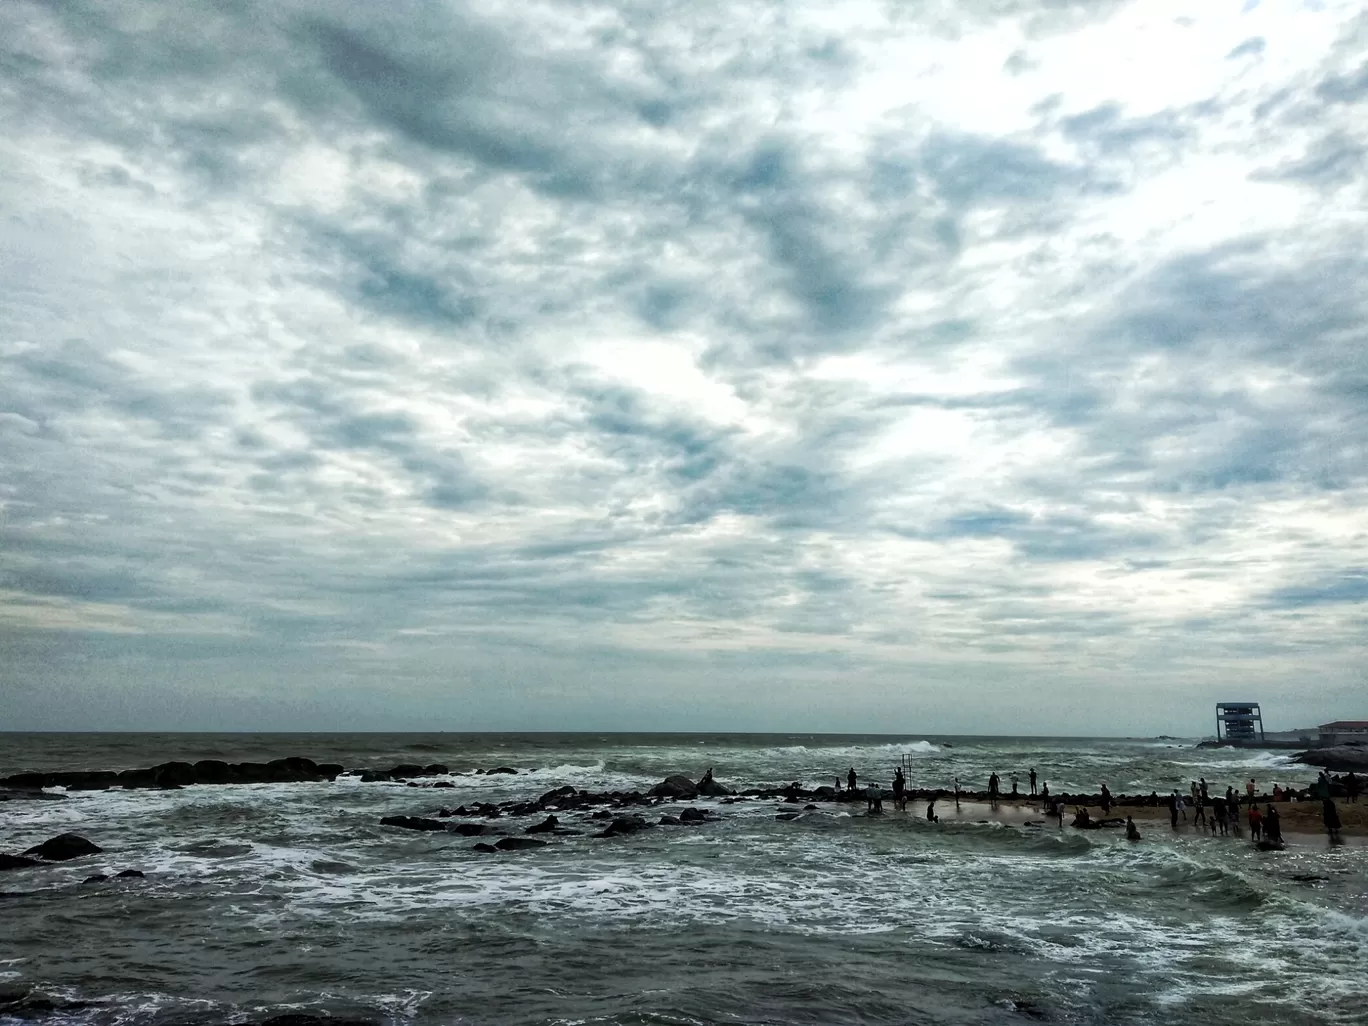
(1220, 814)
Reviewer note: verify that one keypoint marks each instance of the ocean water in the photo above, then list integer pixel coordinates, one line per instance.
(269, 898)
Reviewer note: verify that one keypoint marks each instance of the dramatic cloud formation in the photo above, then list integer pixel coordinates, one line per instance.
(960, 367)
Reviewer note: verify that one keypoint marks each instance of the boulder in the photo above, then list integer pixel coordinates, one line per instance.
(413, 823)
(437, 769)
(501, 769)
(64, 848)
(692, 816)
(669, 821)
(173, 773)
(486, 848)
(677, 786)
(712, 788)
(518, 843)
(130, 874)
(330, 770)
(624, 825)
(558, 794)
(468, 829)
(544, 827)
(214, 771)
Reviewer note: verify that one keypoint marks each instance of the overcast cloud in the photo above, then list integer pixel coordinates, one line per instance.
(670, 365)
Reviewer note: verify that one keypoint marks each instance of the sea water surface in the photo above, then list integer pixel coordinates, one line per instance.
(261, 899)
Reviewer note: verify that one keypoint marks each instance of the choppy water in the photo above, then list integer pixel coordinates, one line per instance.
(269, 897)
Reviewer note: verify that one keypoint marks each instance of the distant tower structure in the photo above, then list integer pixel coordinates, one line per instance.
(1240, 722)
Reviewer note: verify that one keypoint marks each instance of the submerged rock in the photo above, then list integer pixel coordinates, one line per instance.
(17, 862)
(692, 816)
(413, 823)
(485, 847)
(97, 878)
(544, 827)
(468, 829)
(64, 848)
(131, 874)
(518, 843)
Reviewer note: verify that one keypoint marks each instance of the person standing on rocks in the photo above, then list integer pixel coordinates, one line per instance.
(1106, 799)
(851, 779)
(1033, 782)
(993, 785)
(957, 793)
(1199, 810)
(1353, 787)
(899, 790)
(1255, 823)
(1250, 789)
(1218, 809)
(1173, 810)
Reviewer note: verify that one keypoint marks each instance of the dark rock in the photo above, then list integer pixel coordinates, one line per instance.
(558, 794)
(468, 829)
(407, 770)
(298, 1019)
(214, 771)
(482, 846)
(413, 823)
(712, 788)
(787, 815)
(326, 866)
(624, 825)
(131, 874)
(26, 795)
(692, 816)
(518, 843)
(669, 821)
(444, 783)
(544, 827)
(330, 770)
(501, 769)
(677, 786)
(17, 862)
(173, 773)
(372, 778)
(64, 847)
(13, 993)
(437, 769)
(97, 878)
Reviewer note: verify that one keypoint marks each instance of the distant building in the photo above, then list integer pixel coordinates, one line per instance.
(1239, 722)
(1344, 732)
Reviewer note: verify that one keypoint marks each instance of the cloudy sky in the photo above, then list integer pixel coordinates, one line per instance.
(942, 366)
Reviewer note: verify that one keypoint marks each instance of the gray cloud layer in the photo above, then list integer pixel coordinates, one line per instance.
(671, 366)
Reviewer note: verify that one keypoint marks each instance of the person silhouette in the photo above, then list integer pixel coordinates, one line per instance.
(851, 779)
(1033, 781)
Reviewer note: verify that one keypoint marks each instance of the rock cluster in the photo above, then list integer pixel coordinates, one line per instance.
(179, 774)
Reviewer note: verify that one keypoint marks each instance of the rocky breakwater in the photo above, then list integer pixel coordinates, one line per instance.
(177, 774)
(1337, 758)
